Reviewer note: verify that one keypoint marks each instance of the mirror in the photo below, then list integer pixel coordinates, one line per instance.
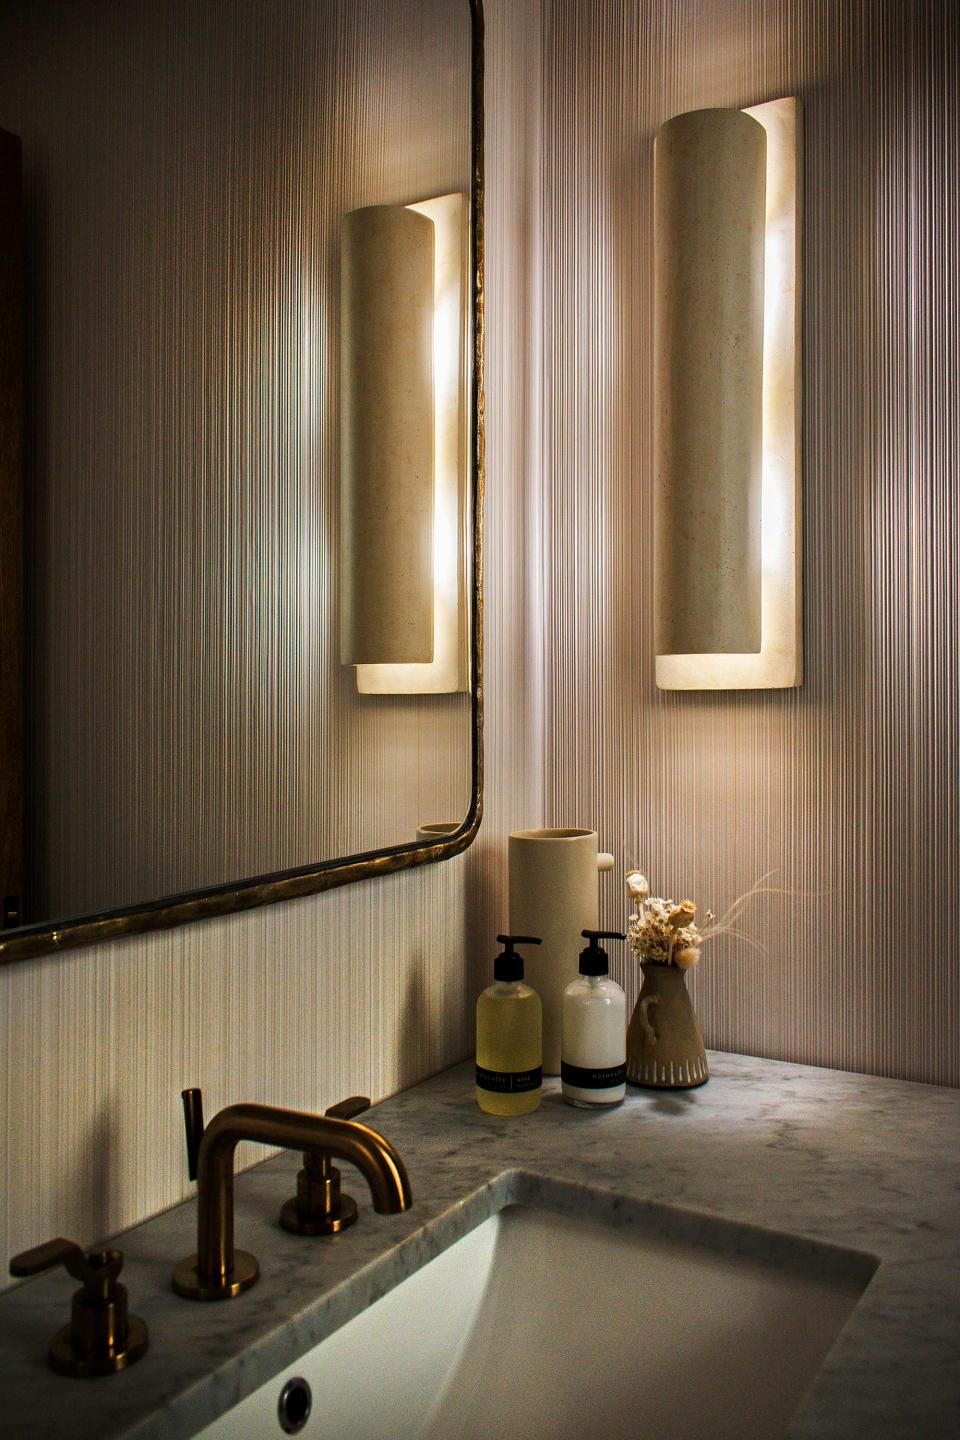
(202, 351)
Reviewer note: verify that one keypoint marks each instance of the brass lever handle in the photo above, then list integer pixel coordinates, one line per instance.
(101, 1337)
(346, 1109)
(320, 1207)
(52, 1252)
(193, 1124)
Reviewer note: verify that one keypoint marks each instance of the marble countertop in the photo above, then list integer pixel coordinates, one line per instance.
(850, 1160)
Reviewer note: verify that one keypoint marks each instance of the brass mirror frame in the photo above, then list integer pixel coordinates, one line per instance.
(164, 914)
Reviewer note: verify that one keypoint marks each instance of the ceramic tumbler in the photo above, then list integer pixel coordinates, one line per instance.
(431, 832)
(554, 894)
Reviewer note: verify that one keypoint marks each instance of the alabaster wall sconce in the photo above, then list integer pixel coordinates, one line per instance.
(404, 615)
(727, 366)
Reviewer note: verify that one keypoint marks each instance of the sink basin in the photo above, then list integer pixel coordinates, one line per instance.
(541, 1324)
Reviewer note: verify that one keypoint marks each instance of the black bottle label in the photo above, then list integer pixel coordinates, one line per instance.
(588, 1077)
(509, 1082)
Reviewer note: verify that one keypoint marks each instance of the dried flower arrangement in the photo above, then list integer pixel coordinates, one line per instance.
(662, 932)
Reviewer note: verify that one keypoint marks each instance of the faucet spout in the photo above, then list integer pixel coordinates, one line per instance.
(218, 1271)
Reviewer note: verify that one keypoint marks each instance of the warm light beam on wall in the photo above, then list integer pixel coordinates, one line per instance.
(778, 663)
(449, 669)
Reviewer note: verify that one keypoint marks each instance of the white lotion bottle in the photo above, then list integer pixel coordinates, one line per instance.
(593, 1064)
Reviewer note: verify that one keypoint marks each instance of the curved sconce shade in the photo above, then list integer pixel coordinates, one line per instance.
(710, 174)
(727, 412)
(387, 436)
(427, 542)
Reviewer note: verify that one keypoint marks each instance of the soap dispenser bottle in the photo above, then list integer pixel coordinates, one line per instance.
(593, 1064)
(509, 1069)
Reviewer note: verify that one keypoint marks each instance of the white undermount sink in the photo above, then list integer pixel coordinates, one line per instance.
(538, 1324)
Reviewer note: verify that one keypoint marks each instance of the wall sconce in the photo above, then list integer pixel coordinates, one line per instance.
(727, 510)
(404, 616)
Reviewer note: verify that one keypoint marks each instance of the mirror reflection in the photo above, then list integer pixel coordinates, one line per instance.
(246, 482)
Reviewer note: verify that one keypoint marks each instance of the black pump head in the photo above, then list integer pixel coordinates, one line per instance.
(593, 958)
(508, 964)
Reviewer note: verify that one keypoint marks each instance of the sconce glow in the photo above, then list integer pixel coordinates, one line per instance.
(745, 562)
(449, 668)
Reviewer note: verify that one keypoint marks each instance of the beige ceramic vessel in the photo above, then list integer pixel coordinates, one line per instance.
(433, 830)
(554, 895)
(664, 1041)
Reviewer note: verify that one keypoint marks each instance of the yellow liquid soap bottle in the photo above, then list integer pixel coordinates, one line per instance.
(509, 1054)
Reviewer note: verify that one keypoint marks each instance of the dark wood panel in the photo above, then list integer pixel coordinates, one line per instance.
(11, 529)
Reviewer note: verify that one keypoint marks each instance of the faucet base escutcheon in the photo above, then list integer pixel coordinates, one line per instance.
(292, 1219)
(192, 1286)
(65, 1359)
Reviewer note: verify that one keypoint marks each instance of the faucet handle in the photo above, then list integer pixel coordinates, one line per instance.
(319, 1206)
(193, 1124)
(101, 1337)
(346, 1109)
(50, 1253)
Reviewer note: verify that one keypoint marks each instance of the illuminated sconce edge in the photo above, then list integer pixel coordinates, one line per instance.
(779, 662)
(449, 670)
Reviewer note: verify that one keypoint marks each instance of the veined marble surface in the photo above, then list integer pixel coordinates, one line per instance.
(853, 1161)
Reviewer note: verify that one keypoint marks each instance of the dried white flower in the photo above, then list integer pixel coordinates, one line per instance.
(638, 886)
(663, 932)
(657, 936)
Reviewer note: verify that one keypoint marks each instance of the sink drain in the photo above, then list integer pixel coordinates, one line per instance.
(293, 1407)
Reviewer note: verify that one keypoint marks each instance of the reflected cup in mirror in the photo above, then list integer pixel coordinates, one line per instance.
(433, 830)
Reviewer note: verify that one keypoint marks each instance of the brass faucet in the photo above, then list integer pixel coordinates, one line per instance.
(217, 1271)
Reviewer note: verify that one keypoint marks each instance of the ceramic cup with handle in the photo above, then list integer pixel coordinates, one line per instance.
(554, 894)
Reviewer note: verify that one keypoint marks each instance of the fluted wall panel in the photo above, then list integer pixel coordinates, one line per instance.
(361, 990)
(846, 790)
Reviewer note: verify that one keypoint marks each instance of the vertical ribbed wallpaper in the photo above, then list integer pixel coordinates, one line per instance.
(187, 170)
(847, 788)
(362, 990)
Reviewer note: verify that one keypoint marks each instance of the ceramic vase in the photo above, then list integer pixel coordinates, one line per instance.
(554, 894)
(664, 1042)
